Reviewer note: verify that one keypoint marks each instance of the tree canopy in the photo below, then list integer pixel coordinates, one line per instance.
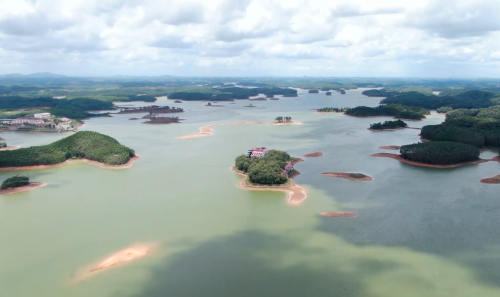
(439, 152)
(266, 170)
(389, 125)
(15, 182)
(395, 110)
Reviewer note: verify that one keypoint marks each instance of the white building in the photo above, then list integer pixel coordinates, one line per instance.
(22, 121)
(44, 115)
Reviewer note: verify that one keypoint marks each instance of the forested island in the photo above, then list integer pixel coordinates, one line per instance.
(389, 125)
(81, 145)
(227, 93)
(395, 110)
(332, 109)
(440, 152)
(313, 92)
(17, 184)
(266, 170)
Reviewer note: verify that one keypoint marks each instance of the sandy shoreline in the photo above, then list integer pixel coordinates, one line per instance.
(100, 165)
(314, 155)
(390, 147)
(129, 254)
(400, 159)
(346, 176)
(491, 180)
(296, 193)
(339, 214)
(204, 131)
(31, 186)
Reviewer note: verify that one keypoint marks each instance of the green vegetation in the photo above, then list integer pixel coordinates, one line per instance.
(3, 144)
(439, 152)
(313, 91)
(444, 109)
(332, 109)
(453, 133)
(84, 144)
(389, 125)
(15, 182)
(283, 119)
(468, 99)
(226, 93)
(395, 110)
(266, 170)
(357, 175)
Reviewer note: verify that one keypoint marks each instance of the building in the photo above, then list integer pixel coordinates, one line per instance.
(43, 115)
(29, 121)
(257, 152)
(64, 119)
(288, 168)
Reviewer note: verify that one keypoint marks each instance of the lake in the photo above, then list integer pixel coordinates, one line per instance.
(419, 231)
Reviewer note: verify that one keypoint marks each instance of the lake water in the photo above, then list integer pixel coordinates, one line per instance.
(420, 232)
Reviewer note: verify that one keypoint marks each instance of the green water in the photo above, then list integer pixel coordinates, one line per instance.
(420, 232)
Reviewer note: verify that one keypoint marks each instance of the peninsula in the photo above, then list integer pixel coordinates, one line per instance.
(86, 145)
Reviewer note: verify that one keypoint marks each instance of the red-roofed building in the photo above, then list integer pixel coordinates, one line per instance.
(257, 152)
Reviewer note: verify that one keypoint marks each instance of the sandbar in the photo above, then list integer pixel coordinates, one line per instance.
(313, 155)
(204, 131)
(491, 180)
(124, 256)
(296, 193)
(31, 186)
(401, 159)
(100, 165)
(8, 148)
(496, 158)
(347, 176)
(390, 147)
(268, 123)
(339, 214)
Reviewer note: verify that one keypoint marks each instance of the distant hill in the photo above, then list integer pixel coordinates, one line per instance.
(33, 75)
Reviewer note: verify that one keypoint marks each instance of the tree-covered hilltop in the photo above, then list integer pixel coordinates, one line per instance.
(467, 99)
(15, 182)
(395, 110)
(266, 170)
(81, 145)
(332, 109)
(439, 152)
(389, 125)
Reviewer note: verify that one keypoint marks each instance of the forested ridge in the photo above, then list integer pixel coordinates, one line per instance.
(439, 152)
(81, 145)
(266, 170)
(395, 110)
(226, 93)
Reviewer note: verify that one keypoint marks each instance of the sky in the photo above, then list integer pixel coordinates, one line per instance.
(363, 38)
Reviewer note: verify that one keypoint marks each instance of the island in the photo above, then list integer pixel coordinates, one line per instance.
(330, 109)
(437, 154)
(17, 184)
(270, 170)
(93, 147)
(259, 99)
(394, 110)
(388, 126)
(154, 119)
(328, 93)
(313, 91)
(153, 109)
(351, 176)
(491, 180)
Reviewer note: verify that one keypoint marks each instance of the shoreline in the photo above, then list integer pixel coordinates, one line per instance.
(31, 186)
(347, 176)
(314, 155)
(95, 163)
(402, 160)
(296, 194)
(204, 131)
(390, 147)
(491, 180)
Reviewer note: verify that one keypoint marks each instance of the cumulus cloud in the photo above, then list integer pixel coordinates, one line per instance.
(250, 37)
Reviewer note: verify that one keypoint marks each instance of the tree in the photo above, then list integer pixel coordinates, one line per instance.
(279, 119)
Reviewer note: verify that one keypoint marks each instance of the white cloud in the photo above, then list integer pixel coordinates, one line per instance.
(251, 37)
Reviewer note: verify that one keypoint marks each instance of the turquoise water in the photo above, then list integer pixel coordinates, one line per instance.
(420, 232)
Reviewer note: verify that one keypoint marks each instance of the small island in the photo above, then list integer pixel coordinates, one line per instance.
(313, 91)
(388, 126)
(17, 184)
(328, 93)
(351, 176)
(339, 214)
(259, 99)
(95, 148)
(272, 170)
(437, 154)
(330, 109)
(155, 119)
(149, 109)
(395, 110)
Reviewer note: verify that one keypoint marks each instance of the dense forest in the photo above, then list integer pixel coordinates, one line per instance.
(378, 93)
(467, 99)
(226, 93)
(81, 145)
(266, 170)
(439, 152)
(395, 110)
(15, 182)
(389, 125)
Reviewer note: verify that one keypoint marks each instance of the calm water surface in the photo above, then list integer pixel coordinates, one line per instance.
(420, 232)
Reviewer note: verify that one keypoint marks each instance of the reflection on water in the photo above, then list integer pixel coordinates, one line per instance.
(419, 231)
